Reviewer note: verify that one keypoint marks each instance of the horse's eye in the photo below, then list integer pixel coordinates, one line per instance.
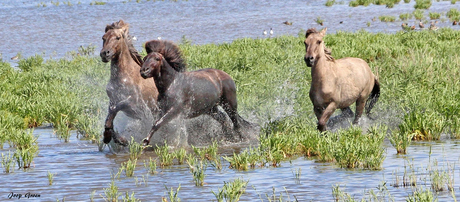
(157, 59)
(319, 42)
(118, 38)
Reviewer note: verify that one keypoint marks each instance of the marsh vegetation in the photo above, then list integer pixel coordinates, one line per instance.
(418, 73)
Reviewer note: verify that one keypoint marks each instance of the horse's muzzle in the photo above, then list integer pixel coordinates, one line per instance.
(106, 56)
(309, 61)
(144, 74)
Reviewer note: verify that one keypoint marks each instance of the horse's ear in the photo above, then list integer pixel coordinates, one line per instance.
(323, 31)
(124, 27)
(310, 31)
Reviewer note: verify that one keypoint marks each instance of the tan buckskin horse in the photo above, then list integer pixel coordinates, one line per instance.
(127, 90)
(337, 84)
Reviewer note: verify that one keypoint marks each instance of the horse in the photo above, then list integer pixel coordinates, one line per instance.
(337, 84)
(127, 90)
(189, 94)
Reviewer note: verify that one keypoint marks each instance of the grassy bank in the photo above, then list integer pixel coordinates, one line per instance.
(418, 73)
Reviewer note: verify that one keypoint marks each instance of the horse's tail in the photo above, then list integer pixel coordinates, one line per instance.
(373, 97)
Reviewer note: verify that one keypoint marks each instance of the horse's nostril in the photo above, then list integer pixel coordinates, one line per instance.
(310, 58)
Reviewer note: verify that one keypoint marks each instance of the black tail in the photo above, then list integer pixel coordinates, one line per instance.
(373, 97)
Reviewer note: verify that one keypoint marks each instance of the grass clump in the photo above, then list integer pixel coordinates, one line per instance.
(423, 125)
(151, 165)
(231, 191)
(422, 4)
(50, 177)
(198, 170)
(165, 157)
(7, 162)
(357, 150)
(453, 13)
(129, 167)
(387, 18)
(329, 3)
(418, 14)
(434, 15)
(400, 141)
(172, 195)
(405, 16)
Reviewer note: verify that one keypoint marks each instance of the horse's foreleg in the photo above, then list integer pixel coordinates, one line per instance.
(113, 111)
(172, 113)
(325, 115)
(360, 103)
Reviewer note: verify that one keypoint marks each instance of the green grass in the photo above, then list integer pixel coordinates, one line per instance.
(405, 16)
(417, 72)
(418, 14)
(422, 4)
(231, 191)
(387, 18)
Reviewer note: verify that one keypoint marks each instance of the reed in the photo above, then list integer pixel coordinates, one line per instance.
(400, 141)
(198, 171)
(130, 198)
(319, 20)
(7, 162)
(420, 194)
(111, 193)
(151, 165)
(422, 4)
(434, 15)
(231, 191)
(129, 167)
(418, 14)
(405, 16)
(50, 177)
(135, 149)
(385, 18)
(180, 155)
(172, 195)
(329, 3)
(26, 148)
(166, 158)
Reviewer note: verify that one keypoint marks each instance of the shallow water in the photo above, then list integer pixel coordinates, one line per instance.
(30, 29)
(80, 169)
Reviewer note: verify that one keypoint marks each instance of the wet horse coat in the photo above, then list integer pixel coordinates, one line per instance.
(127, 90)
(190, 94)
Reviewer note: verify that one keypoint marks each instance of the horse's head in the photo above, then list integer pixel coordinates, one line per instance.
(314, 46)
(115, 35)
(152, 65)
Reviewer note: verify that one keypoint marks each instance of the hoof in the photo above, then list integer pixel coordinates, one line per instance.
(146, 142)
(108, 133)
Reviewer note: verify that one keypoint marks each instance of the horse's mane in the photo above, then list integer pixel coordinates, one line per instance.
(170, 52)
(125, 26)
(327, 51)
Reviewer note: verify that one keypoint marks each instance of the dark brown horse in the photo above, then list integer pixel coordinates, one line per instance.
(338, 83)
(188, 94)
(127, 91)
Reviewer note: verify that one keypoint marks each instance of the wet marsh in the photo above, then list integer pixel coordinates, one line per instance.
(418, 116)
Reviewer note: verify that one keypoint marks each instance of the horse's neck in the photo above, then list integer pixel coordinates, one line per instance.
(166, 77)
(323, 68)
(123, 66)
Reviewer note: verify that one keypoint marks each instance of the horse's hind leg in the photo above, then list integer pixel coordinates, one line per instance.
(347, 112)
(220, 117)
(360, 103)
